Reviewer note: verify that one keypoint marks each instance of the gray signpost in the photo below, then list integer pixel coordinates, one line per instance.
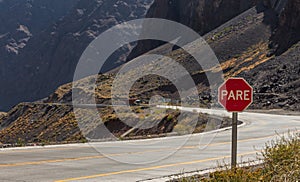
(234, 140)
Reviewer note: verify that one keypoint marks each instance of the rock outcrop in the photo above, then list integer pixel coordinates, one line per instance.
(287, 32)
(200, 15)
(49, 59)
(23, 19)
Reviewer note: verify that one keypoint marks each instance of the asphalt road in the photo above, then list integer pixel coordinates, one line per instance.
(142, 159)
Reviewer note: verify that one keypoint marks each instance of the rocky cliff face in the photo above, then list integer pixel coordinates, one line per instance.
(23, 19)
(287, 32)
(275, 78)
(200, 15)
(203, 16)
(49, 60)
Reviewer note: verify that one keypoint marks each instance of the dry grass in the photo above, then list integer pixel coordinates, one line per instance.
(281, 162)
(246, 61)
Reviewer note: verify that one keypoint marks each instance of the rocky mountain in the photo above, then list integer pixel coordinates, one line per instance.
(287, 30)
(252, 42)
(243, 46)
(202, 16)
(49, 59)
(277, 81)
(23, 19)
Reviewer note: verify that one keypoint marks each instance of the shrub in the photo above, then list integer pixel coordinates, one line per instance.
(281, 162)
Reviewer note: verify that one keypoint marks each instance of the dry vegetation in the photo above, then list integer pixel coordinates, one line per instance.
(281, 162)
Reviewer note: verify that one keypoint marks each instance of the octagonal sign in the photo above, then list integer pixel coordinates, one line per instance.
(235, 94)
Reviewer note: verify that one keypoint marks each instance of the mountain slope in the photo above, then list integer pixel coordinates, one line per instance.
(49, 60)
(242, 46)
(277, 82)
(287, 31)
(201, 16)
(23, 19)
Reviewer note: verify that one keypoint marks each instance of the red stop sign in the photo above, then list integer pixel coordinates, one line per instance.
(235, 94)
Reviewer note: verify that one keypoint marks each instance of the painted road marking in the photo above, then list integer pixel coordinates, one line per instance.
(12, 150)
(151, 168)
(120, 154)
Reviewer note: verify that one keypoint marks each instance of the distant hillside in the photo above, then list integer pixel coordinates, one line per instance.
(49, 59)
(23, 19)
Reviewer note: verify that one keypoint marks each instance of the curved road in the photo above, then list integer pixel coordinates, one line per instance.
(81, 162)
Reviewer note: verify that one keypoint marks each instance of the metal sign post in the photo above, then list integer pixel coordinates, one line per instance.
(234, 140)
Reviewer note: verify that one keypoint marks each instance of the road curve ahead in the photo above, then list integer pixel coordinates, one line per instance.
(142, 159)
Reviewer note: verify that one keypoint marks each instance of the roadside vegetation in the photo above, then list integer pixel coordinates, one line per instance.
(281, 162)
